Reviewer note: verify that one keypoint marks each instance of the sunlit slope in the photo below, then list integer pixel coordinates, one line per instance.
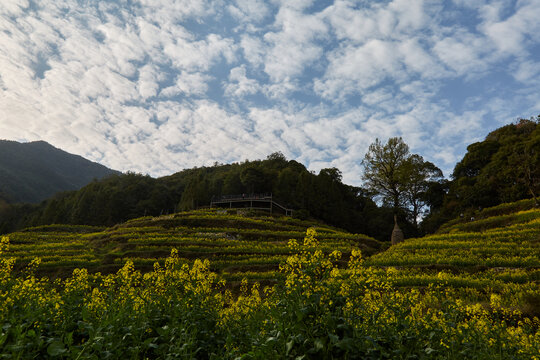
(500, 237)
(497, 253)
(515, 246)
(238, 244)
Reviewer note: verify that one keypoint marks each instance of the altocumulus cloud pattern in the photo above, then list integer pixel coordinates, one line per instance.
(155, 86)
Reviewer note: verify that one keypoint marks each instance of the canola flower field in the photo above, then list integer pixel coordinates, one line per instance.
(330, 303)
(250, 245)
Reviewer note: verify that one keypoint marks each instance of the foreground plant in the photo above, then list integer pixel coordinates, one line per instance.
(318, 311)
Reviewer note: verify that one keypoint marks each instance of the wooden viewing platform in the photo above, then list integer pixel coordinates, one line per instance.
(250, 201)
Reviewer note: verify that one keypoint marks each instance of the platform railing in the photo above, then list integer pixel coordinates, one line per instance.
(263, 196)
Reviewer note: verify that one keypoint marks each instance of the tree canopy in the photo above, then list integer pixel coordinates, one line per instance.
(400, 179)
(504, 167)
(384, 170)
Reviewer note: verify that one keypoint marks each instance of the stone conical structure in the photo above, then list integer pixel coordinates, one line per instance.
(397, 234)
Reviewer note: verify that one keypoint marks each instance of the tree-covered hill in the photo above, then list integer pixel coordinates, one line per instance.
(34, 171)
(504, 167)
(122, 197)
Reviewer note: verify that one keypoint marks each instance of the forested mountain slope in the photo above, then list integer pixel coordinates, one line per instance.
(34, 171)
(119, 198)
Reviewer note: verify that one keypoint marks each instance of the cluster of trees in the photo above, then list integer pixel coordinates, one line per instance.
(121, 197)
(504, 167)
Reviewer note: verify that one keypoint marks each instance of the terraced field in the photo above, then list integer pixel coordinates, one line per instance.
(497, 253)
(238, 244)
(470, 292)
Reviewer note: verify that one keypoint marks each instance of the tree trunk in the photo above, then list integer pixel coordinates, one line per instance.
(530, 185)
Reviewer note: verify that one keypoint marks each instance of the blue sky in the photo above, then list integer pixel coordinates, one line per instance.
(156, 86)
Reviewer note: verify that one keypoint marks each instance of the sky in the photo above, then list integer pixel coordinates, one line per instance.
(157, 86)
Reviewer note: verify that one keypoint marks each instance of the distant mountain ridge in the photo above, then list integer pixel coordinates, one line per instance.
(34, 171)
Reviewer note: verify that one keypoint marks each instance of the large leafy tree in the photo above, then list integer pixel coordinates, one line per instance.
(384, 170)
(403, 180)
(505, 167)
(525, 159)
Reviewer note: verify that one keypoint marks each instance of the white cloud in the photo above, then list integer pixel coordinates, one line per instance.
(528, 71)
(411, 15)
(148, 85)
(354, 69)
(417, 60)
(173, 12)
(293, 46)
(156, 86)
(463, 126)
(239, 84)
(280, 91)
(375, 20)
(249, 10)
(512, 35)
(14, 7)
(189, 84)
(462, 53)
(253, 49)
(189, 55)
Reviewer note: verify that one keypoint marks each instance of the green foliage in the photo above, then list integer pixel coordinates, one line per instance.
(406, 182)
(318, 311)
(384, 170)
(503, 168)
(422, 179)
(122, 197)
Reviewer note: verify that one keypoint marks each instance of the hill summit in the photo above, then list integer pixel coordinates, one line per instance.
(34, 171)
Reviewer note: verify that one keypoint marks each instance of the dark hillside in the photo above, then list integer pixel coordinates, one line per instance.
(32, 172)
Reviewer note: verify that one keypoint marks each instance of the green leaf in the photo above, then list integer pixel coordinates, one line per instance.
(3, 338)
(289, 347)
(56, 348)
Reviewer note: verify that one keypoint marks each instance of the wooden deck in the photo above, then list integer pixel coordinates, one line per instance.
(250, 201)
